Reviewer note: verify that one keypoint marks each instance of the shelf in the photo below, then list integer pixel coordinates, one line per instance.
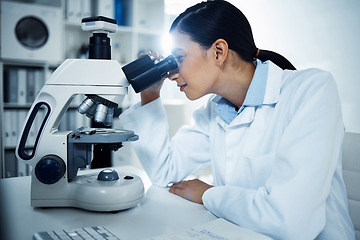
(17, 106)
(24, 63)
(8, 148)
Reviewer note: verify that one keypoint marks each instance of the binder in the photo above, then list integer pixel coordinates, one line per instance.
(119, 12)
(73, 11)
(10, 164)
(7, 128)
(105, 8)
(10, 85)
(39, 81)
(30, 86)
(86, 8)
(21, 86)
(10, 125)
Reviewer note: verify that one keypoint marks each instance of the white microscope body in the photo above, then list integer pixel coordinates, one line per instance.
(54, 180)
(57, 155)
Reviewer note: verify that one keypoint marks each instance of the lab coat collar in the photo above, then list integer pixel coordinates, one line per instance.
(255, 94)
(264, 90)
(268, 77)
(273, 84)
(265, 85)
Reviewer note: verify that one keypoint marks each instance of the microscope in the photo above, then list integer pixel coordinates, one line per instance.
(56, 156)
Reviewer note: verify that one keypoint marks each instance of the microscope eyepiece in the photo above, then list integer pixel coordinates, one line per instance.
(166, 65)
(143, 72)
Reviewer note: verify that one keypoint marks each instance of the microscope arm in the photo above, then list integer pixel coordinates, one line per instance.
(73, 77)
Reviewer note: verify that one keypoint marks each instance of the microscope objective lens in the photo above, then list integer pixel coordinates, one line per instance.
(85, 105)
(91, 111)
(100, 113)
(109, 117)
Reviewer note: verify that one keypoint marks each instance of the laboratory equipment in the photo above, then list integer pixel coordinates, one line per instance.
(27, 32)
(143, 72)
(56, 156)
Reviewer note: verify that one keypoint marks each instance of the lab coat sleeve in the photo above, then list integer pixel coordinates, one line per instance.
(294, 196)
(167, 161)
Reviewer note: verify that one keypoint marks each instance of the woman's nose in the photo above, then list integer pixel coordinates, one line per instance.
(174, 75)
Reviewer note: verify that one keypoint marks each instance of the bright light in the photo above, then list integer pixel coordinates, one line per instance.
(166, 44)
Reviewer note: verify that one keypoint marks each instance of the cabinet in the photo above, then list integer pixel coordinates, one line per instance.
(142, 29)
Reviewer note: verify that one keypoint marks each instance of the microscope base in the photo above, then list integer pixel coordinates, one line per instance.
(88, 193)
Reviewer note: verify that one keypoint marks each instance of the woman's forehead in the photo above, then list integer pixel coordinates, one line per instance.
(180, 41)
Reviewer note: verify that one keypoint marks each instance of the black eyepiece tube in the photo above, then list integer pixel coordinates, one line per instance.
(166, 65)
(143, 72)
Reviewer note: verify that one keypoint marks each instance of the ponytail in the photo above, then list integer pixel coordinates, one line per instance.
(279, 60)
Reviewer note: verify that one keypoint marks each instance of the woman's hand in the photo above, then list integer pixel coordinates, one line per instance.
(152, 92)
(192, 190)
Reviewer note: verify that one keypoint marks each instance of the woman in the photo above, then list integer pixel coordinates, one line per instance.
(272, 134)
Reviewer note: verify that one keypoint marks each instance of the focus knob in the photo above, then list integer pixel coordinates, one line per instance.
(50, 169)
(108, 175)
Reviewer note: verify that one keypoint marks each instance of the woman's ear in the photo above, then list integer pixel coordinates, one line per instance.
(220, 49)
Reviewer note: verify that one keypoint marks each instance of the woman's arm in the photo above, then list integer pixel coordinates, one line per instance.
(167, 161)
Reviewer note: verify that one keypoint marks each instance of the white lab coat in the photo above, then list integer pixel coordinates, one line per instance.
(276, 167)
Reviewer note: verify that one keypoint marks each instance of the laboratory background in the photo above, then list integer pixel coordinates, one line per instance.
(37, 36)
(311, 34)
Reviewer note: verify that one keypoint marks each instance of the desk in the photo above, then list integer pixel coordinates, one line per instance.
(160, 212)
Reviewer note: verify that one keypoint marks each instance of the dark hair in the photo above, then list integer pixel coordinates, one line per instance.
(208, 21)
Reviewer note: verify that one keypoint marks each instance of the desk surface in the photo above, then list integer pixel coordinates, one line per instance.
(160, 212)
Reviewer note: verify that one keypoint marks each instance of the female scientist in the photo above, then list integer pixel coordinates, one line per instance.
(273, 135)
